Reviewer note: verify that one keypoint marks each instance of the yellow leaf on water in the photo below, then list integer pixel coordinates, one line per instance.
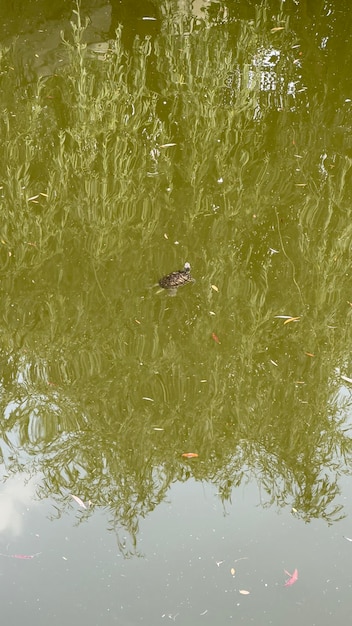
(276, 28)
(291, 319)
(233, 571)
(215, 288)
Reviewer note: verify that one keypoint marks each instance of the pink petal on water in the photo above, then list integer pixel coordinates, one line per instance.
(20, 556)
(293, 578)
(23, 556)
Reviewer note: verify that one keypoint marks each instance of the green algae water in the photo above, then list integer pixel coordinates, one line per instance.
(221, 137)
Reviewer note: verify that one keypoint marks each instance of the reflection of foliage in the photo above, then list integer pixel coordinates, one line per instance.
(107, 383)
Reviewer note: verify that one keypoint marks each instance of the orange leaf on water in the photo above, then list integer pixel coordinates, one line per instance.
(190, 455)
(216, 338)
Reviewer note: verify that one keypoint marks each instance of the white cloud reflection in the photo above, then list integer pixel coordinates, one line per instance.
(15, 496)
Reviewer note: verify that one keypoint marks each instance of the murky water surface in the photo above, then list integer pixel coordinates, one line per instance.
(175, 455)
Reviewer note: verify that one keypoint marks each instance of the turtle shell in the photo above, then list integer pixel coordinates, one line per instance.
(177, 279)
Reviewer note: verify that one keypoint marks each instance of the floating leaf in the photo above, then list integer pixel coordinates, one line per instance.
(348, 538)
(309, 354)
(276, 28)
(293, 578)
(292, 319)
(190, 455)
(168, 145)
(216, 338)
(215, 288)
(233, 571)
(244, 592)
(348, 380)
(149, 399)
(78, 500)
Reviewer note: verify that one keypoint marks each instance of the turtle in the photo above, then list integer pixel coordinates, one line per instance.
(177, 279)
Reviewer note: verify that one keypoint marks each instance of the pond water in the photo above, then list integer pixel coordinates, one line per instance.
(177, 459)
